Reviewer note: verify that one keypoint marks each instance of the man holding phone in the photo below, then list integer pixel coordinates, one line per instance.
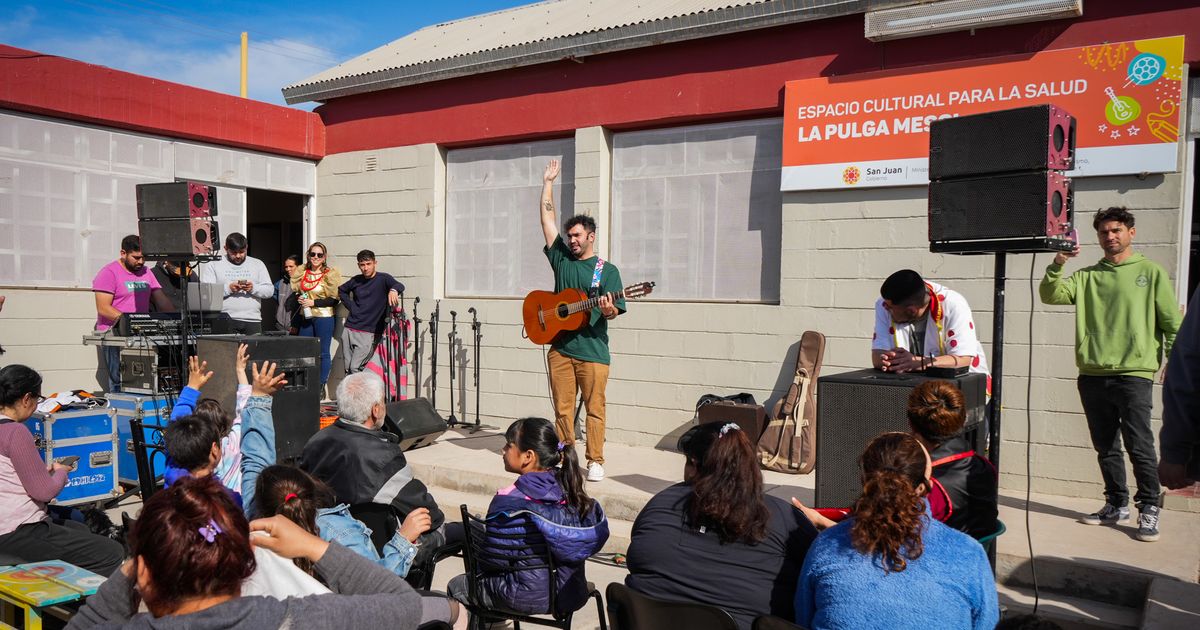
(246, 283)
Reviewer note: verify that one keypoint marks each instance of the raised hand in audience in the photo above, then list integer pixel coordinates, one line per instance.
(266, 381)
(198, 373)
(243, 358)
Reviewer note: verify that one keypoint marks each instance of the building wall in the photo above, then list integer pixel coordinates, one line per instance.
(838, 246)
(43, 321)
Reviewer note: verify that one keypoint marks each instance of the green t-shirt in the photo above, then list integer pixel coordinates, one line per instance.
(589, 343)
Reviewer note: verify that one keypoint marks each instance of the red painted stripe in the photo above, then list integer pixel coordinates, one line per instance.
(65, 88)
(734, 76)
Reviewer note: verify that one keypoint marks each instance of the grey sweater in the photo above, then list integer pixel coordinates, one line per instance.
(370, 597)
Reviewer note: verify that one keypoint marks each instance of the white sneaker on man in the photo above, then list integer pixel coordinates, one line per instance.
(595, 472)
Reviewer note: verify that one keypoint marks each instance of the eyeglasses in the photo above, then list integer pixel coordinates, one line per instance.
(315, 255)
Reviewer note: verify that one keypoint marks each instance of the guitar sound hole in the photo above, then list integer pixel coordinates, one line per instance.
(562, 311)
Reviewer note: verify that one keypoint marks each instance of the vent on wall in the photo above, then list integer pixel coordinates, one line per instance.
(945, 16)
(371, 163)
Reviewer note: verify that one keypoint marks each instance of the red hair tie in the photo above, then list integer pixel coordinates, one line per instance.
(289, 497)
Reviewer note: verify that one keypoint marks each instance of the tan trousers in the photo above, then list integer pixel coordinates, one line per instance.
(568, 375)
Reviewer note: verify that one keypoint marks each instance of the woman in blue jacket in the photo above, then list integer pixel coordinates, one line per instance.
(891, 565)
(546, 503)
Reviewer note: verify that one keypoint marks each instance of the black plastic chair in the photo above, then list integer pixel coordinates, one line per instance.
(770, 622)
(481, 560)
(630, 610)
(149, 480)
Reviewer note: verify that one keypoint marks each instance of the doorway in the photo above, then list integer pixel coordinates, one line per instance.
(275, 229)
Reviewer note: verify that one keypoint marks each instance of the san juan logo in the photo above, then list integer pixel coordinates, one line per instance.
(1142, 281)
(851, 175)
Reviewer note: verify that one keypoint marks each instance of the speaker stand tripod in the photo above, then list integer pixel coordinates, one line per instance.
(416, 349)
(433, 326)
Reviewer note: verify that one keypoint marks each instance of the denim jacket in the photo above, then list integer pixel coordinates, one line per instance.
(258, 447)
(338, 526)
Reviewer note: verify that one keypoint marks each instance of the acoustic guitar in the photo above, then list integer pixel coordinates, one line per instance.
(549, 314)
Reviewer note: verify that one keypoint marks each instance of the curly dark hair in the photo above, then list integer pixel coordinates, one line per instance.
(1115, 213)
(887, 516)
(727, 486)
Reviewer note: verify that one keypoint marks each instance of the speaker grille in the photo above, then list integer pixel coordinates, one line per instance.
(1019, 205)
(1035, 138)
(855, 407)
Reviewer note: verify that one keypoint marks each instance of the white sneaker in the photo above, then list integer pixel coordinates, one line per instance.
(595, 472)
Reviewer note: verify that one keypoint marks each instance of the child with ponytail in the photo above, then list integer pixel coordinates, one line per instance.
(306, 501)
(883, 567)
(547, 503)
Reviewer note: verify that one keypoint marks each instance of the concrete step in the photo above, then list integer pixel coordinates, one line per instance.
(1171, 604)
(1072, 613)
(1103, 564)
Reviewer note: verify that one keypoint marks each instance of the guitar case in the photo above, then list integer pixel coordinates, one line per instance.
(789, 441)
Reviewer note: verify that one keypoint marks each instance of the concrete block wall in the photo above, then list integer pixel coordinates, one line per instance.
(838, 246)
(43, 328)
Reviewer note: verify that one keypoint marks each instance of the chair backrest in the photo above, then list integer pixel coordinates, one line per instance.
(630, 610)
(482, 557)
(380, 519)
(771, 622)
(1000, 529)
(143, 456)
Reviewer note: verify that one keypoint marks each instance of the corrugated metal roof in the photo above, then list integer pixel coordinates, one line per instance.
(551, 30)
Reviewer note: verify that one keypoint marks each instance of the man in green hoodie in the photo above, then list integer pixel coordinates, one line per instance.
(1126, 318)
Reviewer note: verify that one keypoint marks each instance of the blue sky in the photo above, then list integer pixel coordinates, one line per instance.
(198, 42)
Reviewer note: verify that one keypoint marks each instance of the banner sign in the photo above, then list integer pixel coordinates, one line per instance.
(873, 130)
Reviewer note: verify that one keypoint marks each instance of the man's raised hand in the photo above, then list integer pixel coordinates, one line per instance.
(551, 172)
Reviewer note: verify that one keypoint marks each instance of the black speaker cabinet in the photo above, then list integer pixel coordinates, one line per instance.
(179, 239)
(1017, 205)
(1037, 138)
(855, 407)
(296, 408)
(176, 200)
(415, 421)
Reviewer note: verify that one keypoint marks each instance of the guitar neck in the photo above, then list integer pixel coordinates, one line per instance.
(592, 303)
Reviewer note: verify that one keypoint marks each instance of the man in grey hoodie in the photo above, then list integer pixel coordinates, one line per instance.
(246, 283)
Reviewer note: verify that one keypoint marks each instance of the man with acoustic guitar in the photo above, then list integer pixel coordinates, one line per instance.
(579, 359)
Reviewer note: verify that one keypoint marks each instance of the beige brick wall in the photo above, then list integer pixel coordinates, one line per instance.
(43, 328)
(838, 246)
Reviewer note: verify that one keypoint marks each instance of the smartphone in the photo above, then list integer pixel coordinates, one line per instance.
(69, 460)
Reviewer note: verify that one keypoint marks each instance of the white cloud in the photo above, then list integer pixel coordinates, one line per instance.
(198, 63)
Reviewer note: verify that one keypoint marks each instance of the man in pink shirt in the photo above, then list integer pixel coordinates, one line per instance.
(125, 285)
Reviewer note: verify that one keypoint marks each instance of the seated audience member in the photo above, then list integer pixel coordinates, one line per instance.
(27, 484)
(964, 482)
(547, 505)
(716, 538)
(366, 469)
(890, 565)
(229, 468)
(191, 549)
(293, 493)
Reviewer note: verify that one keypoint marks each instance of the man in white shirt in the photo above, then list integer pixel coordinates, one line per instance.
(921, 325)
(246, 283)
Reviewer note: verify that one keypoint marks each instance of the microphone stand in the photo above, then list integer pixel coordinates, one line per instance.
(450, 348)
(416, 348)
(433, 326)
(477, 327)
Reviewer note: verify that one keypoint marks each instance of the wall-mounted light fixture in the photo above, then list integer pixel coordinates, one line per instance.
(945, 16)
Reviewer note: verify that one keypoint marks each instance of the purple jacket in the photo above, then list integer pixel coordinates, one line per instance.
(534, 506)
